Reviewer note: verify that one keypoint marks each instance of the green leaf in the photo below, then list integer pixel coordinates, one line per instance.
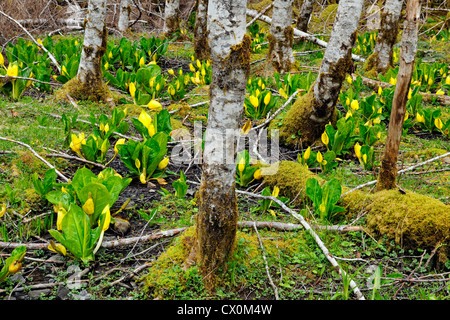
(58, 197)
(17, 254)
(314, 191)
(77, 235)
(100, 195)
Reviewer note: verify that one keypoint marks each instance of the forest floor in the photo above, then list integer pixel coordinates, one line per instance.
(297, 266)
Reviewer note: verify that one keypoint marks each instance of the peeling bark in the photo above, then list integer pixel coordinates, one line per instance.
(124, 17)
(305, 15)
(387, 35)
(309, 115)
(171, 16)
(281, 36)
(201, 46)
(388, 170)
(217, 216)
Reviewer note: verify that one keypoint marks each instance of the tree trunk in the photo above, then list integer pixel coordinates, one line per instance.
(124, 17)
(201, 46)
(381, 59)
(217, 216)
(305, 15)
(88, 84)
(305, 121)
(388, 170)
(281, 36)
(171, 16)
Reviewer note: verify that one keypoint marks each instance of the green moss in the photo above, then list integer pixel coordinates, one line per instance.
(425, 154)
(411, 220)
(296, 126)
(291, 180)
(370, 66)
(84, 91)
(167, 279)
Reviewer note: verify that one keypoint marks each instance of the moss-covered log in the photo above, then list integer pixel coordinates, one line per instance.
(411, 220)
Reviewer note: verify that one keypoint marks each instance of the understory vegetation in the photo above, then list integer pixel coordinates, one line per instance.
(62, 159)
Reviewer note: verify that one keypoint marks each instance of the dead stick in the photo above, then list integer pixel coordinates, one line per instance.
(37, 156)
(274, 287)
(66, 156)
(399, 172)
(319, 242)
(8, 78)
(52, 58)
(105, 244)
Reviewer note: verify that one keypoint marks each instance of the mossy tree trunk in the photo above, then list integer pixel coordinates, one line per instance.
(230, 56)
(381, 59)
(388, 170)
(124, 16)
(88, 84)
(305, 14)
(306, 119)
(201, 46)
(171, 16)
(281, 36)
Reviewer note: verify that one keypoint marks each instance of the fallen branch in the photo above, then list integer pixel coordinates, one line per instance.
(150, 237)
(105, 244)
(274, 287)
(64, 178)
(399, 172)
(300, 34)
(52, 58)
(69, 157)
(278, 111)
(256, 17)
(443, 99)
(280, 226)
(319, 242)
(9, 78)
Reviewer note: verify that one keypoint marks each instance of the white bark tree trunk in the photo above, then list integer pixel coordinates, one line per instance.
(201, 46)
(305, 15)
(337, 58)
(230, 56)
(124, 16)
(387, 34)
(281, 36)
(313, 111)
(88, 84)
(171, 16)
(94, 44)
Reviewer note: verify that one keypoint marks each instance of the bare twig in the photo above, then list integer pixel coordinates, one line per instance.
(319, 242)
(278, 111)
(274, 287)
(8, 78)
(66, 156)
(52, 58)
(399, 172)
(37, 156)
